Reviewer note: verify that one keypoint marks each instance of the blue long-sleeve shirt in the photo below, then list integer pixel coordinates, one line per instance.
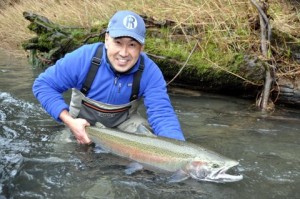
(108, 87)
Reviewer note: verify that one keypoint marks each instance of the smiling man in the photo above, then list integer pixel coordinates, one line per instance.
(107, 81)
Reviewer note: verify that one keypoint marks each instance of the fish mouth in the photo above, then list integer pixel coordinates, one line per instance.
(220, 175)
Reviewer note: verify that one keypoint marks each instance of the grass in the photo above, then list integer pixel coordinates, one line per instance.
(222, 28)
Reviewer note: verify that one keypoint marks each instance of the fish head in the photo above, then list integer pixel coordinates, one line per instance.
(214, 171)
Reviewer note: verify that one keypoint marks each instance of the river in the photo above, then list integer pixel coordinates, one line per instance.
(38, 159)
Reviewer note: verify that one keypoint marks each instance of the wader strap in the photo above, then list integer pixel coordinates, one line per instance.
(136, 80)
(96, 62)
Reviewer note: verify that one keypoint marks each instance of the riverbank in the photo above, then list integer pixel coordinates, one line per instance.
(225, 34)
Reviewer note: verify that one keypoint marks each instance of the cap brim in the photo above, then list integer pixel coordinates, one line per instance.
(118, 33)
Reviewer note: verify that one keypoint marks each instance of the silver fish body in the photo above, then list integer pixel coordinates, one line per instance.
(182, 158)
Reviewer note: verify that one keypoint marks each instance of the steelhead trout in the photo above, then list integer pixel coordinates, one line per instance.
(182, 158)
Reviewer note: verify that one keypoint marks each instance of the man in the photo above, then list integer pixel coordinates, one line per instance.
(107, 91)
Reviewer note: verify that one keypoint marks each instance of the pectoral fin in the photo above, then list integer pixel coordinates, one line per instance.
(178, 176)
(145, 130)
(133, 167)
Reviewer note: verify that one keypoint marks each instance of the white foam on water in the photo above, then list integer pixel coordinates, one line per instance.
(2, 116)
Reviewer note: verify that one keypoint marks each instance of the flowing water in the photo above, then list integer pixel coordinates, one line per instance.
(38, 158)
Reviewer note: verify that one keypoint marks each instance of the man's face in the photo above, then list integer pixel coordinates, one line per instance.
(122, 52)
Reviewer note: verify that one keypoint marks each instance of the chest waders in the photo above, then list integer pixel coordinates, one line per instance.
(122, 116)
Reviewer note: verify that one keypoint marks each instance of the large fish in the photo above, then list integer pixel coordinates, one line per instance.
(182, 158)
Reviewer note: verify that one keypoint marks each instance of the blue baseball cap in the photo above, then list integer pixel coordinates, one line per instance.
(126, 23)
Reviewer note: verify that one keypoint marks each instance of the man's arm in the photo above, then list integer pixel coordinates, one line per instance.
(160, 112)
(68, 72)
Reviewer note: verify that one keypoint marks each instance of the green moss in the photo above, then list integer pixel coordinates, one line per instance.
(203, 59)
(78, 34)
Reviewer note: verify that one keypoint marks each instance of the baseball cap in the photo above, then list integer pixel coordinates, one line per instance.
(126, 23)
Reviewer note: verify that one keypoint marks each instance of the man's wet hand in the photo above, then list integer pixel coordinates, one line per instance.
(77, 127)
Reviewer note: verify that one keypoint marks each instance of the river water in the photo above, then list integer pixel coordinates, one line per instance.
(38, 158)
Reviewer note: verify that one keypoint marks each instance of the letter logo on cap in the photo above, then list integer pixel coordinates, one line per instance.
(130, 22)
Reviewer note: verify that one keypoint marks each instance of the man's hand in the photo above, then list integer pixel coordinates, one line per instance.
(77, 127)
